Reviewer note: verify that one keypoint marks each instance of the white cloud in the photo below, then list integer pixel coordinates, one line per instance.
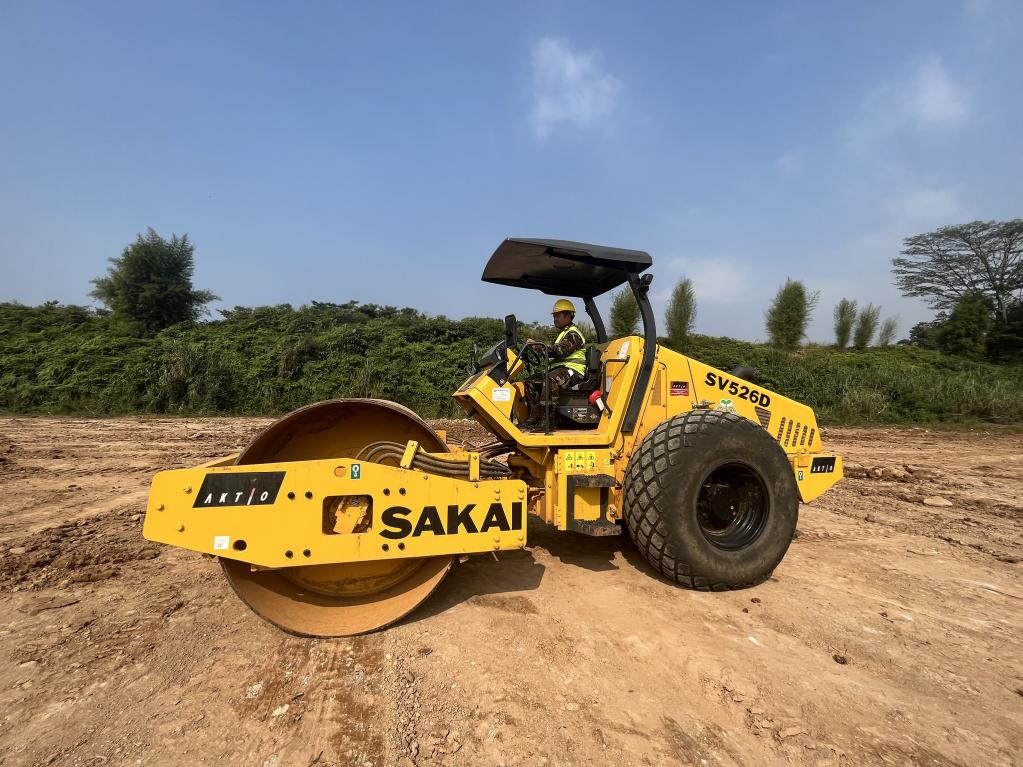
(935, 99)
(928, 99)
(894, 199)
(715, 280)
(569, 88)
(791, 162)
(923, 207)
(862, 263)
(978, 7)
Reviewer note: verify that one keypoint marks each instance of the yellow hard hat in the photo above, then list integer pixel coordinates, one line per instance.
(563, 305)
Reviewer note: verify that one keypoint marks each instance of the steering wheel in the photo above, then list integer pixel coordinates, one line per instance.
(534, 355)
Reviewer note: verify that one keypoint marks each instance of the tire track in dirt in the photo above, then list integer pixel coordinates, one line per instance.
(114, 650)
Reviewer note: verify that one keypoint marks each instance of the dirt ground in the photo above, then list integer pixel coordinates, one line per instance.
(891, 634)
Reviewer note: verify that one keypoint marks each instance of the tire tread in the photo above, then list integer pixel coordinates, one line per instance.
(662, 449)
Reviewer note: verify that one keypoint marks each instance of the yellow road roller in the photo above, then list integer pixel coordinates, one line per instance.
(343, 516)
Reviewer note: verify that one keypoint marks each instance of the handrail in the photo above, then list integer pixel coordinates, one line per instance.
(598, 321)
(640, 286)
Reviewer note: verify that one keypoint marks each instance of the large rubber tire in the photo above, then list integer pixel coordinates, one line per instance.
(683, 468)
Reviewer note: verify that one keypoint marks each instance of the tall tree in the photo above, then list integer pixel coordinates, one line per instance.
(1005, 342)
(866, 326)
(966, 330)
(150, 283)
(789, 314)
(845, 318)
(624, 314)
(888, 330)
(680, 316)
(950, 263)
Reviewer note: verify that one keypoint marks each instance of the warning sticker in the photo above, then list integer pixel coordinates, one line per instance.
(569, 461)
(591, 459)
(221, 542)
(501, 394)
(680, 388)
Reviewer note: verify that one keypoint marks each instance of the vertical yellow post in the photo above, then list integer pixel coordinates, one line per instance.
(410, 453)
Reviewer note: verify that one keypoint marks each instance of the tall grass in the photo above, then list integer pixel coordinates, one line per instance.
(894, 385)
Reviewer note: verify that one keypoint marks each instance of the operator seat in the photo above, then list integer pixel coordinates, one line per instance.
(591, 379)
(574, 406)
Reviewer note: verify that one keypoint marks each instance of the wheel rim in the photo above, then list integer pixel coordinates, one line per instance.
(732, 506)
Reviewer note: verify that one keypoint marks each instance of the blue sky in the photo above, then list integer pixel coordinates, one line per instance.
(379, 152)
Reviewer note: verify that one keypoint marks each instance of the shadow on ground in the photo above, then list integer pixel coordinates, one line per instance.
(484, 579)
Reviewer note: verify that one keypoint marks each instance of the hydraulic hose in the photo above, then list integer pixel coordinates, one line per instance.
(453, 466)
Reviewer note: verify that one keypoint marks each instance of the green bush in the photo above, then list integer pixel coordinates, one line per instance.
(845, 319)
(789, 314)
(899, 384)
(866, 326)
(624, 313)
(269, 360)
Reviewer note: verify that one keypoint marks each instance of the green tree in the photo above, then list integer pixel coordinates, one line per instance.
(888, 330)
(966, 330)
(586, 328)
(150, 283)
(789, 314)
(680, 316)
(866, 326)
(624, 314)
(1005, 342)
(953, 262)
(845, 318)
(925, 334)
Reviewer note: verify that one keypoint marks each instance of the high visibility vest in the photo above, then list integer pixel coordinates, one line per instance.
(576, 360)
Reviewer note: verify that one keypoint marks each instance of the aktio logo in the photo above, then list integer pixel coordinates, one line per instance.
(257, 488)
(825, 465)
(398, 523)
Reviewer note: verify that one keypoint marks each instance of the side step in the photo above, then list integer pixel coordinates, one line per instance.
(592, 491)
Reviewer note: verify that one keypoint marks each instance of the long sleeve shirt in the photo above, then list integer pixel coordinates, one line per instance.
(570, 343)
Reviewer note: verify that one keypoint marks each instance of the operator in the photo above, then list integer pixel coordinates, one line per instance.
(567, 361)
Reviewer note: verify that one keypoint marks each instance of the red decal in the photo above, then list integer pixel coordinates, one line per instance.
(680, 388)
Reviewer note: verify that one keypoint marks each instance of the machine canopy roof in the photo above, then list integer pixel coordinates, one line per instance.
(563, 268)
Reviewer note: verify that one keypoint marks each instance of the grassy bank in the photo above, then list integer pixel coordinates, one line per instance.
(900, 384)
(268, 360)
